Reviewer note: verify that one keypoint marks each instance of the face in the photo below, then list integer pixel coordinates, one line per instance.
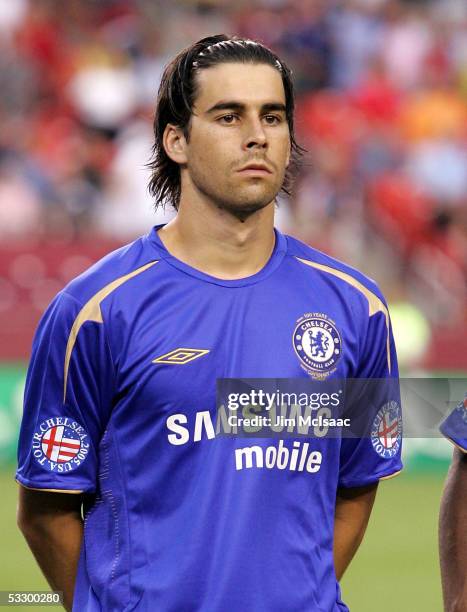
(239, 142)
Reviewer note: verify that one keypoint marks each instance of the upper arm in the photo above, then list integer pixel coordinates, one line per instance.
(373, 402)
(35, 507)
(358, 493)
(353, 509)
(452, 533)
(67, 400)
(457, 475)
(459, 459)
(361, 499)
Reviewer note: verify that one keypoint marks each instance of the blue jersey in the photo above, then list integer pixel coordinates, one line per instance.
(454, 426)
(120, 403)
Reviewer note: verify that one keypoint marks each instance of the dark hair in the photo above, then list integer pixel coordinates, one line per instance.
(177, 94)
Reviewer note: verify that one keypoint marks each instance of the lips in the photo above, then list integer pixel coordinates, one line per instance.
(256, 167)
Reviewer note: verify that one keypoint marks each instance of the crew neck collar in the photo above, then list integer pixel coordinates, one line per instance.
(277, 255)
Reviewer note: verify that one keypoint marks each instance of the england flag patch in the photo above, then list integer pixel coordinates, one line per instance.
(386, 430)
(60, 444)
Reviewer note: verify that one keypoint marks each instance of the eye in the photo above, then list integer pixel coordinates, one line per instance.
(272, 119)
(229, 119)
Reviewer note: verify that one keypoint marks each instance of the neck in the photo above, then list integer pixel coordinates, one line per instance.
(214, 241)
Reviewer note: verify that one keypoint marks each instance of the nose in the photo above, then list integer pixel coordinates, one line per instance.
(255, 135)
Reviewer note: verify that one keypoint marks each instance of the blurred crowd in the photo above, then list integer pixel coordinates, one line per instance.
(381, 90)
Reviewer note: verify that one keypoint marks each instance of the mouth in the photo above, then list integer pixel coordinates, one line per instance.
(259, 169)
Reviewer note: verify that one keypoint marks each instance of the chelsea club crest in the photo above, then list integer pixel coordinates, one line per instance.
(318, 344)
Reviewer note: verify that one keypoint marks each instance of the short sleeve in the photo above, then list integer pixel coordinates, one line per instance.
(376, 453)
(454, 426)
(67, 401)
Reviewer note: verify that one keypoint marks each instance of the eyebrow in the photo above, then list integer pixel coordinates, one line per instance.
(239, 106)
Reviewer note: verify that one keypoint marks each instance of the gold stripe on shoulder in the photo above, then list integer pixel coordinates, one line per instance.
(91, 311)
(375, 304)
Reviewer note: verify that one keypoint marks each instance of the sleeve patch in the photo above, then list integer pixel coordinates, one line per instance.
(60, 444)
(386, 430)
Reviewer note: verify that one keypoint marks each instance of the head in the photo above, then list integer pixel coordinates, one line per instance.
(223, 104)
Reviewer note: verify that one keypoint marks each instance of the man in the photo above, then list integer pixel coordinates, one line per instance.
(453, 514)
(120, 394)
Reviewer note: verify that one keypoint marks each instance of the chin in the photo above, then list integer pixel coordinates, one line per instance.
(250, 198)
(243, 210)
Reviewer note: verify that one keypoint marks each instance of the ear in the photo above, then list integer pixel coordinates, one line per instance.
(175, 143)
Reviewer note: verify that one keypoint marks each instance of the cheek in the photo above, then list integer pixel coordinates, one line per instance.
(282, 146)
(208, 155)
(279, 147)
(209, 167)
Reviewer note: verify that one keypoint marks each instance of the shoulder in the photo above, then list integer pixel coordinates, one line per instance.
(343, 277)
(112, 271)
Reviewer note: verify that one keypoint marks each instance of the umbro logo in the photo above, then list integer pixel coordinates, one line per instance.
(180, 356)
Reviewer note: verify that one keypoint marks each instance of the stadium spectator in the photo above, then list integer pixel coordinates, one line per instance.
(383, 86)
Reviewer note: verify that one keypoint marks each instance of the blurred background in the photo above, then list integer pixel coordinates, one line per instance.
(381, 108)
